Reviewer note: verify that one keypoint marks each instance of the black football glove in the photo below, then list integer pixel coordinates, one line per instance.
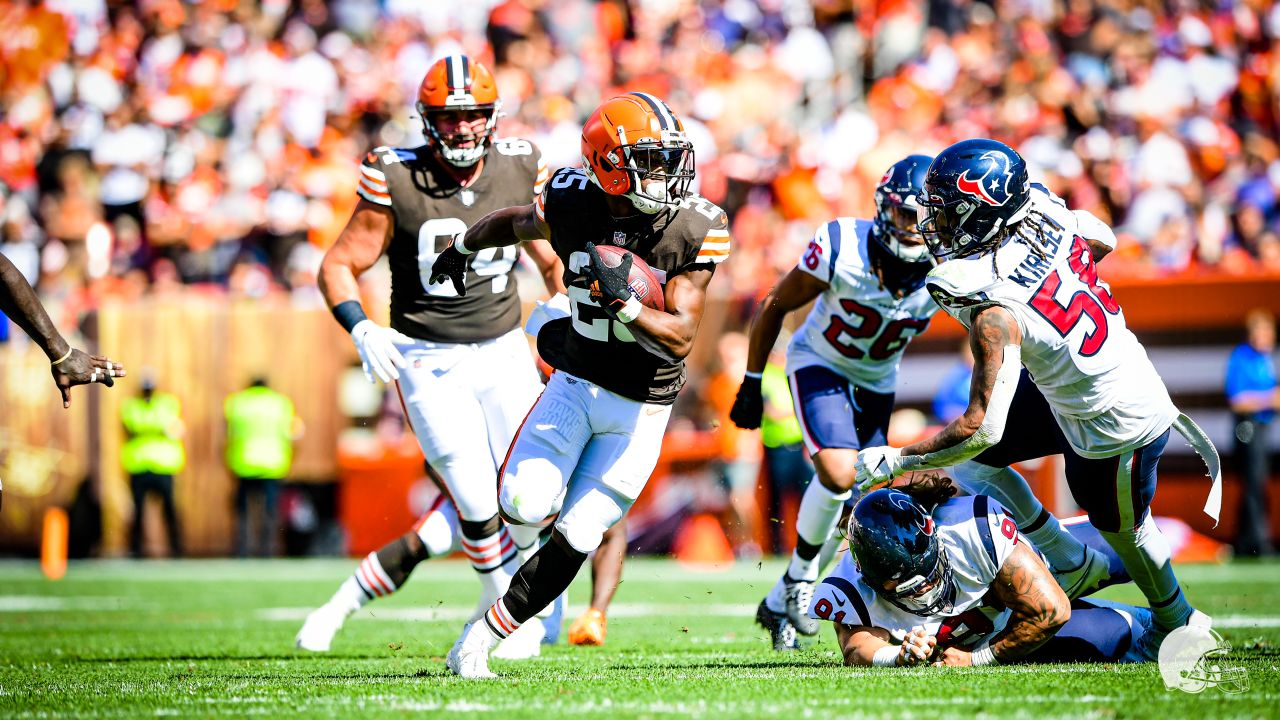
(451, 265)
(748, 406)
(610, 283)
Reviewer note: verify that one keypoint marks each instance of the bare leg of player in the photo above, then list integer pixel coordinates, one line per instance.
(383, 572)
(606, 574)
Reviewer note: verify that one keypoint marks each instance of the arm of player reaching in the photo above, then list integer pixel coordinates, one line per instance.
(362, 242)
(996, 342)
(797, 289)
(500, 228)
(862, 646)
(1038, 607)
(69, 366)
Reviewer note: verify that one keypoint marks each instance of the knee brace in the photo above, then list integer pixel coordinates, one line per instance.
(524, 503)
(583, 523)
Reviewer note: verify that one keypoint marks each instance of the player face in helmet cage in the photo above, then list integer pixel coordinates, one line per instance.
(634, 146)
(459, 105)
(892, 539)
(897, 250)
(974, 192)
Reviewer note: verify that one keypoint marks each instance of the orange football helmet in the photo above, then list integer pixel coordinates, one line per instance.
(635, 147)
(452, 84)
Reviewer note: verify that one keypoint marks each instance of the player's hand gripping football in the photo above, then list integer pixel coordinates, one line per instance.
(748, 406)
(450, 265)
(80, 368)
(917, 647)
(609, 283)
(379, 355)
(876, 466)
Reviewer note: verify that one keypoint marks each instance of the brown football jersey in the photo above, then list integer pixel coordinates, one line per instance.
(430, 210)
(590, 344)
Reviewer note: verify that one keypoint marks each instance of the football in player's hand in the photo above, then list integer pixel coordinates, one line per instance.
(643, 281)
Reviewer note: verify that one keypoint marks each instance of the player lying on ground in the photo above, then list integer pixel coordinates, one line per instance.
(1020, 275)
(460, 362)
(70, 367)
(960, 586)
(593, 438)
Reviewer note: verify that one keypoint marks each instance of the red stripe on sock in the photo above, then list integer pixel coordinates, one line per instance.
(377, 577)
(364, 574)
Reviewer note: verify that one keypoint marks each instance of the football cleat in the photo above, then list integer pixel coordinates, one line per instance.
(799, 594)
(781, 632)
(524, 643)
(469, 657)
(589, 628)
(321, 625)
(1088, 578)
(1148, 645)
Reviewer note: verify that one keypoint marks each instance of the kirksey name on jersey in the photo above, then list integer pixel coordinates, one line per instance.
(431, 210)
(590, 344)
(978, 535)
(856, 326)
(1104, 391)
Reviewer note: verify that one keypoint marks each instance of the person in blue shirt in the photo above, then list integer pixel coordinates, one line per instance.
(1253, 396)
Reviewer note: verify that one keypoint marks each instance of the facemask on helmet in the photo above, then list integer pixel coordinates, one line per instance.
(974, 193)
(897, 209)
(456, 96)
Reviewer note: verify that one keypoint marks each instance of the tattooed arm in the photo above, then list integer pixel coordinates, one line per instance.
(994, 332)
(1038, 605)
(995, 338)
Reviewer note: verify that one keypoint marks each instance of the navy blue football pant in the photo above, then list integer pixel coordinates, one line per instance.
(1115, 491)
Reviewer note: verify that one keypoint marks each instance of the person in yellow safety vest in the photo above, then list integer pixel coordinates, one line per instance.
(152, 455)
(261, 429)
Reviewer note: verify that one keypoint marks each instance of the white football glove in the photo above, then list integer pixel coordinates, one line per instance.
(378, 352)
(876, 466)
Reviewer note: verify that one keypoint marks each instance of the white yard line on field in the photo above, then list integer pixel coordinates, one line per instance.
(631, 610)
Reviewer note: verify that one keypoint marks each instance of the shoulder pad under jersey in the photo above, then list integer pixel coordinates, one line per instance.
(961, 286)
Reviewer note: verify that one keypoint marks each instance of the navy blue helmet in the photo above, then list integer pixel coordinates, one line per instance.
(893, 541)
(974, 191)
(897, 209)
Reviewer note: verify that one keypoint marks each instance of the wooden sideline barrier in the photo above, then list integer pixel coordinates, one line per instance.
(202, 347)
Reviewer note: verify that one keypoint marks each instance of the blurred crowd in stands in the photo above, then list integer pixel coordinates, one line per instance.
(153, 144)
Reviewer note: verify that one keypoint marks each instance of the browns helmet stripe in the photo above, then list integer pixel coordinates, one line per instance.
(665, 121)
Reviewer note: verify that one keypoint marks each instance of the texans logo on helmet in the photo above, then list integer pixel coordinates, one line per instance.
(922, 519)
(992, 188)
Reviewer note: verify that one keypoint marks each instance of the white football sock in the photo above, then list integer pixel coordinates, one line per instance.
(815, 522)
(1007, 487)
(1149, 560)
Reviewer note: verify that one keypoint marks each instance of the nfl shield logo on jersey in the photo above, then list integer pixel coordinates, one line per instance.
(619, 238)
(467, 197)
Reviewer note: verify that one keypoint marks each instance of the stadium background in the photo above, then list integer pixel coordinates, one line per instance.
(172, 173)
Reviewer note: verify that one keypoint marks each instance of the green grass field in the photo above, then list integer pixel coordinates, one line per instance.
(206, 638)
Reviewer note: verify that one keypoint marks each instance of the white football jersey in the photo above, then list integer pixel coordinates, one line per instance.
(856, 327)
(1104, 391)
(978, 535)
